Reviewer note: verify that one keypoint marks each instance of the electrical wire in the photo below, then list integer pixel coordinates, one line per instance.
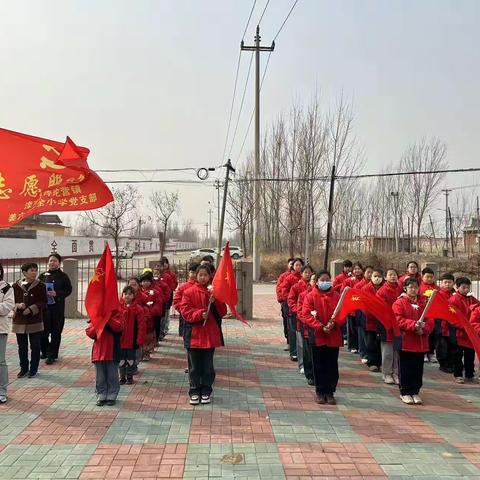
(141, 170)
(263, 13)
(285, 21)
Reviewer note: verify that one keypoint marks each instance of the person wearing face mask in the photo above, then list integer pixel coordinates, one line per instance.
(295, 291)
(289, 281)
(373, 353)
(59, 288)
(389, 292)
(325, 336)
(414, 332)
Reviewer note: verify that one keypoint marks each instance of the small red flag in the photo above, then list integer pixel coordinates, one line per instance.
(367, 302)
(40, 175)
(101, 299)
(438, 307)
(224, 285)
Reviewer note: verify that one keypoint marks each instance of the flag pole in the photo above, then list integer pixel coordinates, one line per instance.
(421, 321)
(339, 303)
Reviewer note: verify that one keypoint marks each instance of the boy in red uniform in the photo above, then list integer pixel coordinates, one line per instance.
(464, 354)
(389, 292)
(307, 349)
(295, 291)
(160, 284)
(132, 335)
(203, 333)
(443, 345)
(288, 282)
(171, 278)
(352, 320)
(414, 331)
(283, 301)
(341, 277)
(427, 286)
(325, 336)
(105, 357)
(177, 297)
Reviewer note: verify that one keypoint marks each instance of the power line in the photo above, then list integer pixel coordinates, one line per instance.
(249, 18)
(173, 182)
(113, 170)
(241, 105)
(285, 21)
(263, 13)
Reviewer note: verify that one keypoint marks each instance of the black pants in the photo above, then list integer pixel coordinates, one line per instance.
(284, 307)
(181, 324)
(374, 353)
(325, 369)
(352, 333)
(201, 370)
(157, 321)
(444, 350)
(307, 359)
(127, 361)
(432, 342)
(468, 356)
(53, 323)
(22, 340)
(292, 334)
(411, 372)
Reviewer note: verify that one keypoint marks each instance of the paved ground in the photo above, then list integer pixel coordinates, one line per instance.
(263, 422)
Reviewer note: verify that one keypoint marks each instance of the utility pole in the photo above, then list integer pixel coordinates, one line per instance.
(478, 224)
(452, 239)
(446, 247)
(218, 185)
(395, 219)
(229, 168)
(307, 229)
(330, 218)
(256, 184)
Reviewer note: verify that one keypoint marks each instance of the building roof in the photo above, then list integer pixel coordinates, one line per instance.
(38, 219)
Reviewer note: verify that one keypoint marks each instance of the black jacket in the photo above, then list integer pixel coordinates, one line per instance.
(62, 286)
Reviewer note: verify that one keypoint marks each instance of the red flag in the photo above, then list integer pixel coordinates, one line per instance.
(101, 299)
(367, 302)
(439, 307)
(224, 285)
(39, 175)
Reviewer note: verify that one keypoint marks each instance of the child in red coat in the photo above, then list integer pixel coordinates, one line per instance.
(283, 301)
(203, 333)
(307, 349)
(325, 336)
(464, 354)
(414, 331)
(105, 357)
(443, 345)
(177, 298)
(132, 335)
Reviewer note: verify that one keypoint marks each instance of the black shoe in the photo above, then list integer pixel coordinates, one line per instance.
(101, 403)
(32, 374)
(286, 349)
(330, 399)
(129, 380)
(49, 361)
(293, 358)
(320, 399)
(186, 370)
(123, 380)
(43, 357)
(22, 373)
(111, 403)
(446, 369)
(310, 382)
(135, 371)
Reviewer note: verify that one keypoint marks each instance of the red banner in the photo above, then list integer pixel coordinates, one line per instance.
(101, 299)
(39, 175)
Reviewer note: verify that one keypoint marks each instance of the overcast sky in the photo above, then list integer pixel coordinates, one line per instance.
(148, 84)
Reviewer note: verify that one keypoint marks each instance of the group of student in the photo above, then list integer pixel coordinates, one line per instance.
(132, 334)
(314, 336)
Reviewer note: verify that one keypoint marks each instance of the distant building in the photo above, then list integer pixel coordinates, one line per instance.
(471, 237)
(28, 227)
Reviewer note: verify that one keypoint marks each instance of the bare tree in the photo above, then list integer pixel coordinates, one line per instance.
(84, 227)
(164, 204)
(426, 157)
(118, 217)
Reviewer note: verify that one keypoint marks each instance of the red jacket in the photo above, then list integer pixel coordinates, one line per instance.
(300, 301)
(443, 327)
(339, 280)
(353, 282)
(425, 287)
(152, 306)
(107, 347)
(177, 298)
(196, 335)
(134, 328)
(280, 279)
(324, 304)
(295, 291)
(171, 278)
(466, 304)
(407, 313)
(288, 282)
(163, 287)
(370, 320)
(388, 292)
(475, 319)
(406, 275)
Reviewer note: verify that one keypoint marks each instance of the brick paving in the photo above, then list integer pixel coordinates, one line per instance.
(262, 423)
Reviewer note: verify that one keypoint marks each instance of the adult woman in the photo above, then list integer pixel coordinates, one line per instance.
(30, 301)
(7, 302)
(58, 288)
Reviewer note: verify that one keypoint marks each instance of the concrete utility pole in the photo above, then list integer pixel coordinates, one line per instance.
(395, 219)
(256, 184)
(446, 248)
(218, 185)
(478, 224)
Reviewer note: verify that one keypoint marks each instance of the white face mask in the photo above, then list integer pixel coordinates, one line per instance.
(377, 280)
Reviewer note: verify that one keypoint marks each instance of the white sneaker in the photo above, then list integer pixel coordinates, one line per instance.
(407, 399)
(205, 399)
(364, 361)
(389, 380)
(353, 350)
(459, 380)
(3, 399)
(417, 400)
(396, 379)
(194, 399)
(302, 371)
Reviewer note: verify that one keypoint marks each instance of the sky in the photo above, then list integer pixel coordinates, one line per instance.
(148, 84)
